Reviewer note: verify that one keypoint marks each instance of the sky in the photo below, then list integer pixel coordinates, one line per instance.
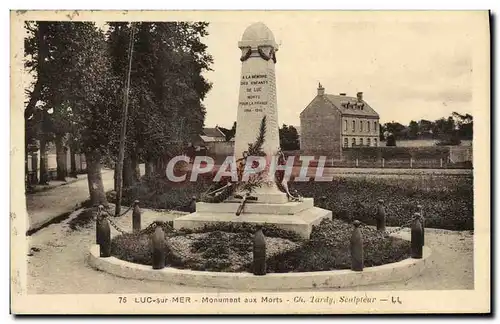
(407, 69)
(409, 65)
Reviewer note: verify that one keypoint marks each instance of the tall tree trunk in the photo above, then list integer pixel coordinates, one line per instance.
(44, 176)
(73, 173)
(149, 169)
(94, 177)
(62, 169)
(136, 171)
(128, 172)
(34, 167)
(115, 178)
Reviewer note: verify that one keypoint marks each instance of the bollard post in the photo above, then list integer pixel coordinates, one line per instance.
(416, 238)
(357, 162)
(357, 260)
(259, 253)
(136, 217)
(411, 163)
(98, 218)
(104, 238)
(383, 162)
(159, 248)
(441, 162)
(422, 222)
(381, 216)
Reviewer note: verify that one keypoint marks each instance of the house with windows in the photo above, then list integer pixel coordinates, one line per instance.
(332, 122)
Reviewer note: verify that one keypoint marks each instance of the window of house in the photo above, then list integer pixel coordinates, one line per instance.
(374, 142)
(368, 141)
(346, 142)
(353, 125)
(353, 142)
(345, 125)
(374, 126)
(368, 125)
(361, 141)
(361, 126)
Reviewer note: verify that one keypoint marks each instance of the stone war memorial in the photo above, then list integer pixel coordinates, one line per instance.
(249, 231)
(269, 202)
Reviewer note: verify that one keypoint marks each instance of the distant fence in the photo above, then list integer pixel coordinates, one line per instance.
(433, 157)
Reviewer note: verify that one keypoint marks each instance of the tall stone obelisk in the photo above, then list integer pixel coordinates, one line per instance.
(257, 99)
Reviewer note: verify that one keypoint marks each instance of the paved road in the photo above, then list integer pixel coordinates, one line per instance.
(46, 205)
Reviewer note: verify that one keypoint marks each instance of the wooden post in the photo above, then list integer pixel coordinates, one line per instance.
(411, 163)
(422, 221)
(123, 131)
(259, 253)
(383, 162)
(104, 238)
(381, 216)
(416, 239)
(357, 162)
(136, 217)
(441, 162)
(159, 249)
(357, 262)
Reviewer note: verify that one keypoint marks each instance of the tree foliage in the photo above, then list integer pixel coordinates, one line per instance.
(167, 85)
(289, 138)
(448, 131)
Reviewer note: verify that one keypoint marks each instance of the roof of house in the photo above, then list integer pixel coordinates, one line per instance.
(352, 108)
(212, 135)
(213, 132)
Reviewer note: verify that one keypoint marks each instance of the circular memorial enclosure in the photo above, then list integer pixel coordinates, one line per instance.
(221, 257)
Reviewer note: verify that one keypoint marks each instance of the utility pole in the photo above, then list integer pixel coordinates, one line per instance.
(121, 149)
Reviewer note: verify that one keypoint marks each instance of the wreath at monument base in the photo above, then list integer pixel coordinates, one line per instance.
(224, 189)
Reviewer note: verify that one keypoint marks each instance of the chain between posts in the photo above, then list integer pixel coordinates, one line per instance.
(103, 213)
(122, 214)
(385, 233)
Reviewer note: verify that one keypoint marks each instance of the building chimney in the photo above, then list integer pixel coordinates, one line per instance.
(342, 94)
(321, 90)
(360, 96)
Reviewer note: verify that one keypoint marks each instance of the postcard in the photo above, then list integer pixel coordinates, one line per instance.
(250, 162)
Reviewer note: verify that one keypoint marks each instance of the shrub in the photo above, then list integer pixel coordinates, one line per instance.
(447, 201)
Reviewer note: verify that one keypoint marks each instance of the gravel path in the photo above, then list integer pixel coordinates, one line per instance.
(60, 267)
(43, 206)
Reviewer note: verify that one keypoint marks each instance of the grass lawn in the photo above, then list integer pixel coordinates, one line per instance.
(447, 200)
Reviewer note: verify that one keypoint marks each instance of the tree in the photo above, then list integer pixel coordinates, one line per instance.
(82, 90)
(289, 138)
(167, 89)
(413, 130)
(35, 52)
(229, 133)
(464, 124)
(390, 139)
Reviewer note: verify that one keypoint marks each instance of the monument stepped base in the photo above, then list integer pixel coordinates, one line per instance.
(300, 222)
